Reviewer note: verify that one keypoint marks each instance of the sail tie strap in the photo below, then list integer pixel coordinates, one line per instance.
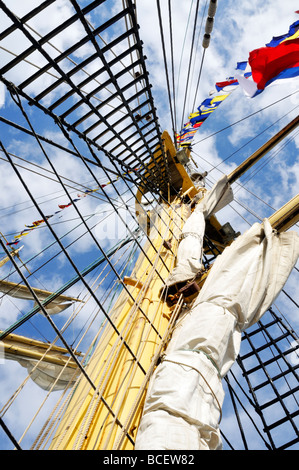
(164, 359)
(208, 356)
(187, 234)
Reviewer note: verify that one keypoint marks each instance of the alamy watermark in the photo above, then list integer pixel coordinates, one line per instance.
(2, 354)
(121, 223)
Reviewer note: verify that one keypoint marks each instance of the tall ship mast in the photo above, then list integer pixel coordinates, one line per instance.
(148, 276)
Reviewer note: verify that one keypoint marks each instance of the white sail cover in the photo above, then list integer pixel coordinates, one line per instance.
(183, 403)
(189, 255)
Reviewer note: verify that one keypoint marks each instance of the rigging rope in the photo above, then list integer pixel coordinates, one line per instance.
(40, 305)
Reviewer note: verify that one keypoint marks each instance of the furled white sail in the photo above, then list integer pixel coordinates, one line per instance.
(20, 291)
(189, 254)
(49, 366)
(50, 376)
(183, 404)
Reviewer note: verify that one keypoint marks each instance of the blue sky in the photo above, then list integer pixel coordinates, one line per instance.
(237, 31)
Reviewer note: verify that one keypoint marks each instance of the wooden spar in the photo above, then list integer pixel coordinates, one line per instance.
(286, 216)
(250, 161)
(21, 291)
(4, 260)
(28, 348)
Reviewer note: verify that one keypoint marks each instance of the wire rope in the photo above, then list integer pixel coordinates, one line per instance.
(172, 67)
(166, 67)
(245, 117)
(190, 61)
(264, 162)
(183, 48)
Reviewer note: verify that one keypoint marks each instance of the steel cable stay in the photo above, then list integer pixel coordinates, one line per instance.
(139, 72)
(33, 272)
(110, 73)
(190, 61)
(124, 166)
(246, 117)
(75, 348)
(269, 444)
(202, 59)
(83, 187)
(69, 58)
(279, 353)
(243, 186)
(24, 21)
(172, 96)
(9, 434)
(110, 365)
(103, 190)
(271, 377)
(271, 157)
(183, 48)
(260, 166)
(82, 158)
(127, 203)
(172, 67)
(74, 267)
(111, 368)
(58, 253)
(171, 106)
(111, 254)
(253, 138)
(53, 244)
(51, 74)
(59, 334)
(258, 217)
(75, 190)
(254, 403)
(58, 146)
(127, 325)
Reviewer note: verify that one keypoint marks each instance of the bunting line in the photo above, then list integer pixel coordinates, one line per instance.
(80, 196)
(279, 59)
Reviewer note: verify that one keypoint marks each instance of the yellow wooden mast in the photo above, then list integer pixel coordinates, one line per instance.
(107, 416)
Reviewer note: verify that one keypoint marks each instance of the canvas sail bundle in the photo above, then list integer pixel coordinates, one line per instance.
(189, 253)
(57, 305)
(50, 377)
(48, 366)
(183, 404)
